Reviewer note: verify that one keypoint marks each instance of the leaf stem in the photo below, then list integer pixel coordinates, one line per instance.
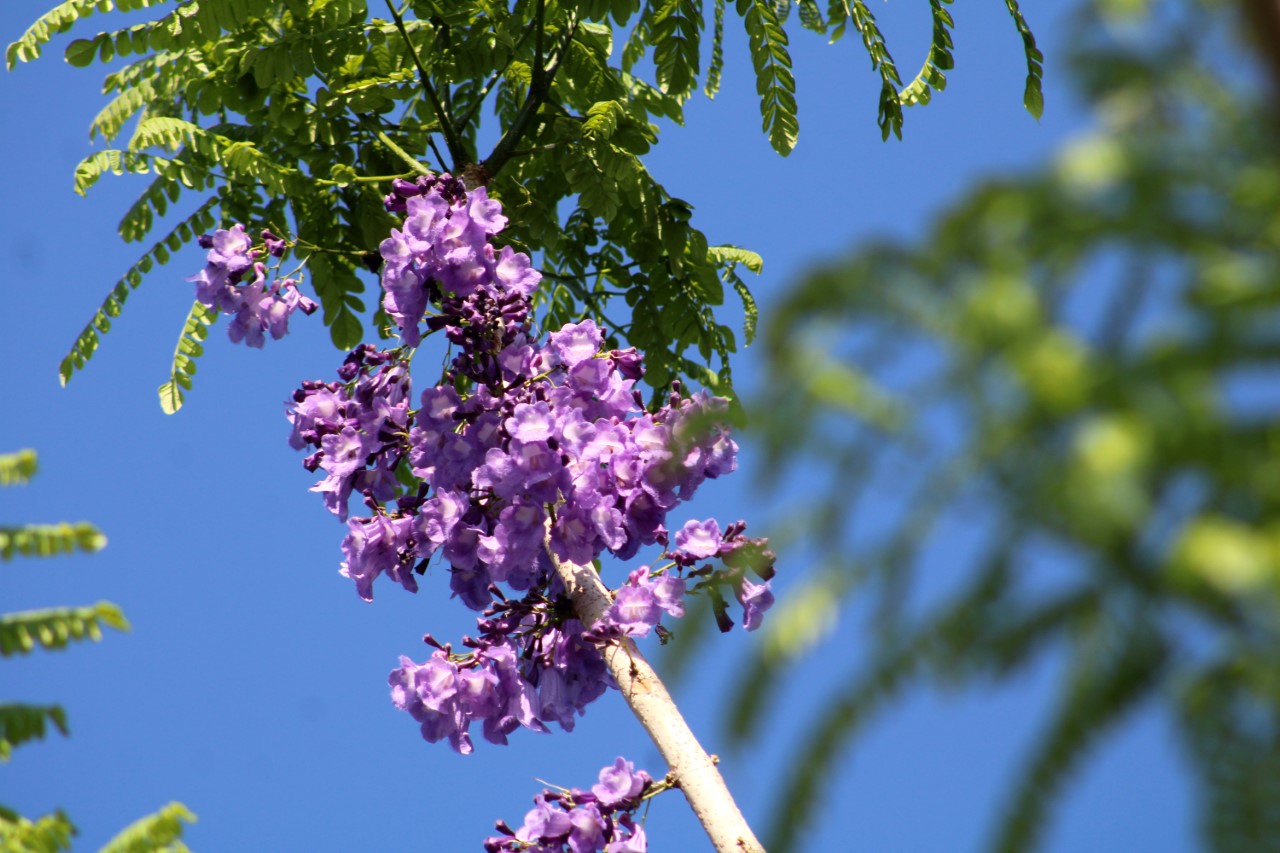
(409, 159)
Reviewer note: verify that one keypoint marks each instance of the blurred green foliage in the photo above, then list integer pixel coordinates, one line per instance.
(1079, 368)
(55, 628)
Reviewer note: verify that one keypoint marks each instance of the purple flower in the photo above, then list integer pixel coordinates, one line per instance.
(377, 545)
(256, 307)
(620, 783)
(755, 599)
(576, 342)
(630, 840)
(698, 540)
(530, 450)
(545, 824)
(515, 273)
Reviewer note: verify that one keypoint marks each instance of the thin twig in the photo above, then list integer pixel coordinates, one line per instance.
(456, 152)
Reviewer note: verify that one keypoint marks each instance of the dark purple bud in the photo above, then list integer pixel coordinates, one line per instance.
(405, 189)
(628, 362)
(275, 245)
(205, 241)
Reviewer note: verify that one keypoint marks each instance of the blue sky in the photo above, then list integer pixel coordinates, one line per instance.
(252, 687)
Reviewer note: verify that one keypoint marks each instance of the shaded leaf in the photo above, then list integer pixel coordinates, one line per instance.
(22, 723)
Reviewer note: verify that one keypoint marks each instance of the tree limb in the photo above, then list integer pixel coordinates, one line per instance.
(539, 88)
(694, 771)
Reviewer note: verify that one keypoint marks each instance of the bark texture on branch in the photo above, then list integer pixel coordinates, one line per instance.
(691, 767)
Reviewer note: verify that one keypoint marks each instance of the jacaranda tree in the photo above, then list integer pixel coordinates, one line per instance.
(313, 143)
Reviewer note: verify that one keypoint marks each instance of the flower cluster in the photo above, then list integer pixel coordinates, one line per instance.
(578, 821)
(528, 451)
(529, 666)
(257, 308)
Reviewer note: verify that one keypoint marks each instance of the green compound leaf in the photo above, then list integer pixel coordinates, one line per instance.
(86, 343)
(890, 111)
(240, 159)
(774, 81)
(675, 33)
(48, 540)
(811, 16)
(17, 468)
(112, 160)
(920, 90)
(22, 723)
(1033, 94)
(113, 117)
(603, 119)
(716, 69)
(189, 348)
(749, 308)
(48, 834)
(59, 20)
(57, 627)
(156, 833)
(736, 255)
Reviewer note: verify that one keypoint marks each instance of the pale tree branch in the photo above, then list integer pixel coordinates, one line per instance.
(694, 771)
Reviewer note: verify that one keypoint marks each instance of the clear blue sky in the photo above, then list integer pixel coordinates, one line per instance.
(253, 685)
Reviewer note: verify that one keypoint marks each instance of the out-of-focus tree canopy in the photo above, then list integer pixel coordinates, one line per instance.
(54, 629)
(1079, 364)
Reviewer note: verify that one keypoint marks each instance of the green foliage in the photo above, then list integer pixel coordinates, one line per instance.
(21, 723)
(920, 90)
(17, 468)
(56, 627)
(675, 30)
(58, 20)
(856, 12)
(1098, 692)
(41, 540)
(190, 347)
(48, 540)
(48, 834)
(299, 115)
(774, 81)
(716, 69)
(1101, 335)
(86, 343)
(1236, 756)
(1033, 94)
(156, 833)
